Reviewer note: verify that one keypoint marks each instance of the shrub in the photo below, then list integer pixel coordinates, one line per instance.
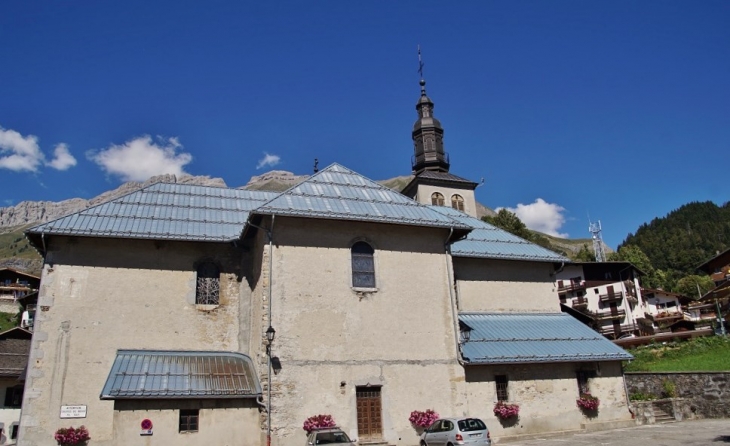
(669, 389)
(638, 396)
(423, 419)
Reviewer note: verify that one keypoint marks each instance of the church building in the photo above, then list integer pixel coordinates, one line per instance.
(187, 315)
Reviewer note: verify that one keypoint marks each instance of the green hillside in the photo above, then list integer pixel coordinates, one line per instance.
(14, 244)
(699, 354)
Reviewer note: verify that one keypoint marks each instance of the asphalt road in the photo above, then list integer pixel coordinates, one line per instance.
(692, 433)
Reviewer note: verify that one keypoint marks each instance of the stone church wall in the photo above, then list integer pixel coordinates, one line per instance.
(98, 296)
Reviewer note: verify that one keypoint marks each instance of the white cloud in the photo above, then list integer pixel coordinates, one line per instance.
(141, 158)
(19, 153)
(541, 216)
(63, 160)
(22, 153)
(268, 160)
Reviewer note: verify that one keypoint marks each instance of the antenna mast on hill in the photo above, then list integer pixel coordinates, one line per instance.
(595, 230)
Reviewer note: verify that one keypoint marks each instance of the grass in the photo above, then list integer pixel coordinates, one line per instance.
(14, 244)
(8, 321)
(699, 354)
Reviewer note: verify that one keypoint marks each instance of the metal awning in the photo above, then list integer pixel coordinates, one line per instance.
(158, 374)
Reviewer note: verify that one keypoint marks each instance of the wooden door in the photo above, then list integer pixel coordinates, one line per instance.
(369, 415)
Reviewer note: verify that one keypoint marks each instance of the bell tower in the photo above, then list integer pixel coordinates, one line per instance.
(432, 183)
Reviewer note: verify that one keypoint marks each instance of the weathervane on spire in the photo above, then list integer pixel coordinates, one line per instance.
(420, 62)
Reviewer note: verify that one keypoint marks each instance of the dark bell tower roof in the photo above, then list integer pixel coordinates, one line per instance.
(428, 138)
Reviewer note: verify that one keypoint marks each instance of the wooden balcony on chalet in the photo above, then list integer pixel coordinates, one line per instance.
(615, 314)
(623, 328)
(580, 302)
(664, 316)
(616, 296)
(571, 286)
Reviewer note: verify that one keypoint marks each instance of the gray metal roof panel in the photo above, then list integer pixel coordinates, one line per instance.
(156, 374)
(164, 211)
(342, 194)
(430, 174)
(504, 338)
(488, 241)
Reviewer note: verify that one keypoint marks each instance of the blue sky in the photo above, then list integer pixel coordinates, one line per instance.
(615, 109)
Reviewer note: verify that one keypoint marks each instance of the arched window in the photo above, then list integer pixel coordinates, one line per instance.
(457, 202)
(208, 286)
(363, 265)
(437, 199)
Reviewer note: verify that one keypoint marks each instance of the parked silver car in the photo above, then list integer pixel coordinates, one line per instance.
(456, 431)
(330, 435)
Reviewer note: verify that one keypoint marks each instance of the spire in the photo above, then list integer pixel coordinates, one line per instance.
(428, 135)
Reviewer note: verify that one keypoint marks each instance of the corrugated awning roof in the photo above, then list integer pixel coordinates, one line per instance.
(489, 242)
(499, 338)
(341, 194)
(163, 212)
(158, 374)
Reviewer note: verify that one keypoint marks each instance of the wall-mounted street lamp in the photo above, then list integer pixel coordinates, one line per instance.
(270, 335)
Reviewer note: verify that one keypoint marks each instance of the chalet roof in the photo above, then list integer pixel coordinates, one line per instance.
(14, 352)
(488, 241)
(159, 374)
(339, 193)
(5, 271)
(508, 338)
(162, 212)
(718, 261)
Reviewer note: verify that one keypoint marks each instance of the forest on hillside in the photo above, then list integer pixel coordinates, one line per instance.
(667, 250)
(682, 240)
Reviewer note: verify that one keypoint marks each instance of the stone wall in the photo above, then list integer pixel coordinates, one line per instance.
(707, 393)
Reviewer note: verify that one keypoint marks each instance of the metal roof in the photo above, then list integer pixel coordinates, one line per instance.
(153, 374)
(164, 212)
(342, 194)
(507, 338)
(488, 241)
(443, 176)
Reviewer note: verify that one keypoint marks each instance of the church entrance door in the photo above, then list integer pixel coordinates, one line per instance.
(369, 414)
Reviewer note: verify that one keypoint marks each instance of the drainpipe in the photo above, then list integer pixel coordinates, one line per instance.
(270, 233)
(559, 270)
(454, 311)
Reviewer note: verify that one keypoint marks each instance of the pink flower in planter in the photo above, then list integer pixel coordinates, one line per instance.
(318, 422)
(423, 419)
(588, 402)
(504, 410)
(69, 436)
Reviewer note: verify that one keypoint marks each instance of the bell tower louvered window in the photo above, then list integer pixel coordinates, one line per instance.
(363, 265)
(437, 199)
(457, 202)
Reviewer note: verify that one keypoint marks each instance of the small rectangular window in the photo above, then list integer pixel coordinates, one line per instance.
(14, 396)
(188, 420)
(14, 431)
(584, 381)
(501, 383)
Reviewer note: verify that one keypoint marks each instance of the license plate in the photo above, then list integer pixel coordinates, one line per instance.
(475, 435)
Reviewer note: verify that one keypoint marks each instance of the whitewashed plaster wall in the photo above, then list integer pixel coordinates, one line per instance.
(424, 192)
(546, 394)
(100, 295)
(486, 285)
(399, 336)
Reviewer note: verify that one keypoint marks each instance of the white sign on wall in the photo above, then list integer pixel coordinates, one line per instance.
(73, 411)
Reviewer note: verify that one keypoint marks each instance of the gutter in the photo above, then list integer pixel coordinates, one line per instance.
(452, 292)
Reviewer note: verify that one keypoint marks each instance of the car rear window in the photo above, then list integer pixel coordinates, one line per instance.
(471, 424)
